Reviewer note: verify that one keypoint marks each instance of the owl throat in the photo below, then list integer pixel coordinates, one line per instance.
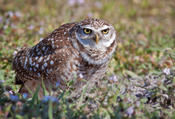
(94, 56)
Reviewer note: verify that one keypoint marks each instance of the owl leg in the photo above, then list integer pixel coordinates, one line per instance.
(30, 87)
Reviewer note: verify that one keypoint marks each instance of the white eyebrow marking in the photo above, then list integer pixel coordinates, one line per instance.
(99, 29)
(104, 27)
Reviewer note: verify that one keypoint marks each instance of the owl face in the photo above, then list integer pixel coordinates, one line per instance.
(96, 38)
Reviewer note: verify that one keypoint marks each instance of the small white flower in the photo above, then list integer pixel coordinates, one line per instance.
(10, 13)
(5, 26)
(10, 92)
(73, 2)
(113, 78)
(98, 4)
(41, 31)
(31, 27)
(80, 1)
(166, 71)
(18, 14)
(130, 111)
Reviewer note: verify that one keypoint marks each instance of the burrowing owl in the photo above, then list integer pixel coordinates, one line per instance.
(78, 51)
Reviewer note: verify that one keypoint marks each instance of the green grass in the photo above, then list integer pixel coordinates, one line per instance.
(146, 48)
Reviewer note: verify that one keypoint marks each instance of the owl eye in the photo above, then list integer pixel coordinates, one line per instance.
(105, 31)
(87, 31)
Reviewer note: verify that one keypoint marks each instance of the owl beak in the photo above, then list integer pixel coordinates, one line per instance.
(96, 38)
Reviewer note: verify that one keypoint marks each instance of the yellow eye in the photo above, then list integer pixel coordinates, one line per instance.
(87, 31)
(105, 31)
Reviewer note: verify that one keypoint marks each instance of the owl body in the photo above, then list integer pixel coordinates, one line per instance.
(77, 51)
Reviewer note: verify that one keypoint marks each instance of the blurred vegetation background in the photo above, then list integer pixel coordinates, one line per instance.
(145, 28)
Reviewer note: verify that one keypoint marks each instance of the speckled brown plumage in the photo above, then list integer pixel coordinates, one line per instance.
(66, 54)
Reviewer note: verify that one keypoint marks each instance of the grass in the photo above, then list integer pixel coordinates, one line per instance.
(140, 82)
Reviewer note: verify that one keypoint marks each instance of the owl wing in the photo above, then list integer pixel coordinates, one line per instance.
(45, 57)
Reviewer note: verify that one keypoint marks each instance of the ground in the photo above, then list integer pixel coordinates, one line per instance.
(140, 82)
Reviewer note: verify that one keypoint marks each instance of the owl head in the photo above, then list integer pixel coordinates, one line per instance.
(96, 39)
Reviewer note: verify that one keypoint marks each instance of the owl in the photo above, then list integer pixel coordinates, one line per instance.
(78, 52)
